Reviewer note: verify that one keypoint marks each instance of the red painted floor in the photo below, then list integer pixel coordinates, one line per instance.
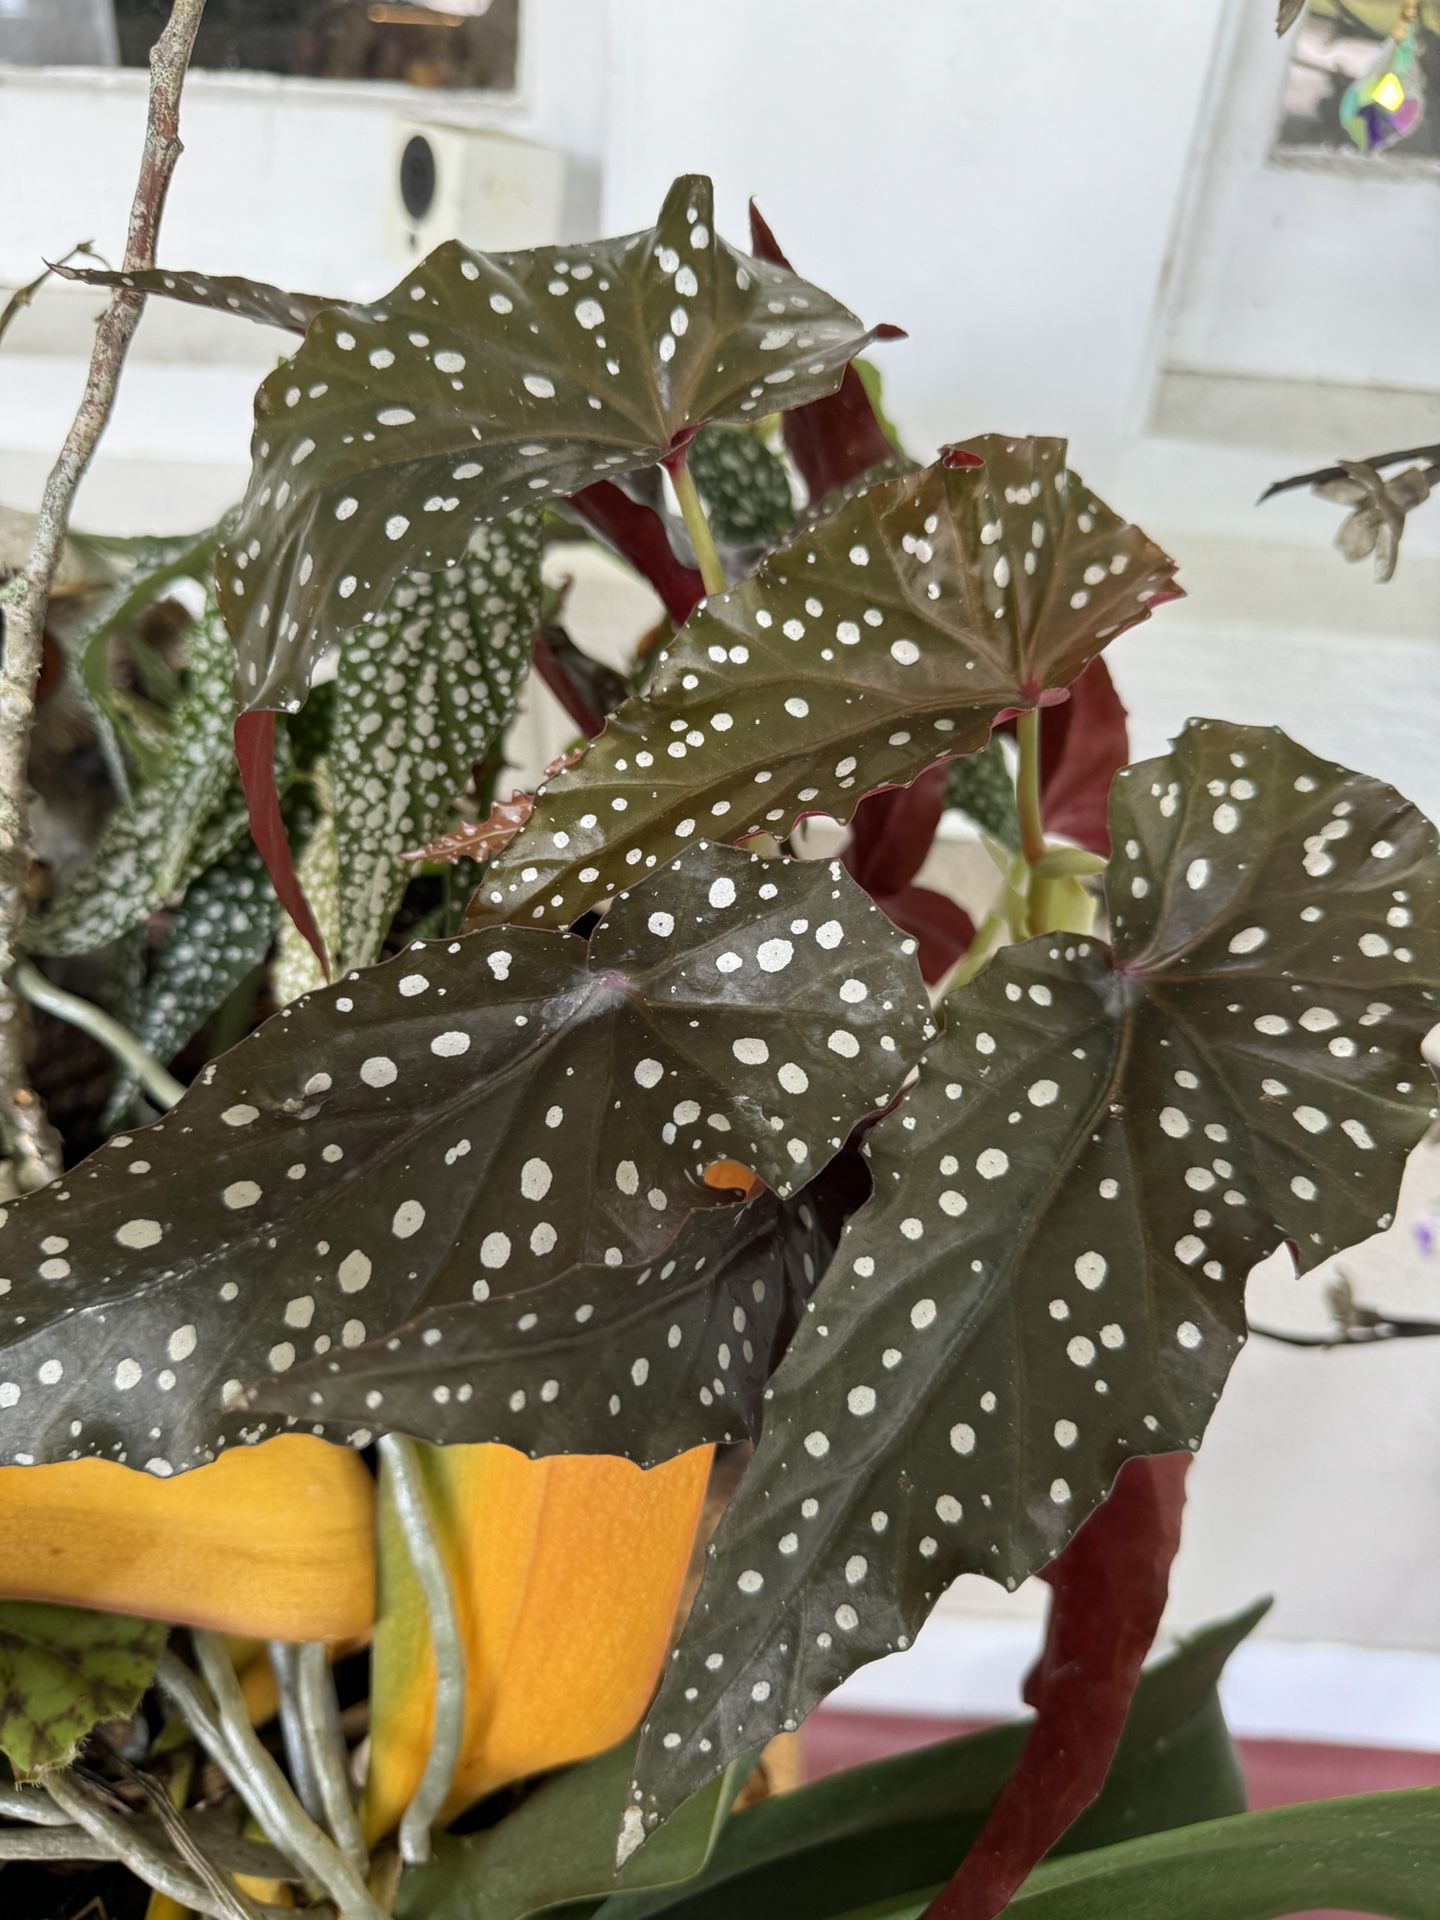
(1278, 1773)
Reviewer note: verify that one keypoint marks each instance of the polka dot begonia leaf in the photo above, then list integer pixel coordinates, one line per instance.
(154, 844)
(422, 696)
(1050, 1278)
(893, 634)
(472, 1120)
(641, 1360)
(483, 381)
(221, 292)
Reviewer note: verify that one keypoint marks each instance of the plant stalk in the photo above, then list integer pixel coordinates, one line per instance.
(274, 1804)
(29, 1139)
(144, 1859)
(707, 556)
(163, 1088)
(320, 1725)
(401, 1457)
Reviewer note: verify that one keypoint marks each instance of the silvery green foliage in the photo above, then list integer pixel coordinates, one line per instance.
(219, 934)
(1050, 1278)
(423, 695)
(171, 829)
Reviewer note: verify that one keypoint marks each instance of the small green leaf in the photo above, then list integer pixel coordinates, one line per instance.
(1064, 863)
(890, 1828)
(154, 844)
(1050, 1278)
(983, 788)
(423, 695)
(895, 633)
(558, 1846)
(62, 1671)
(1377, 1853)
(744, 486)
(485, 381)
(471, 1121)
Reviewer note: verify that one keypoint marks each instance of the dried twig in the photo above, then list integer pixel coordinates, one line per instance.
(22, 296)
(27, 1135)
(145, 1860)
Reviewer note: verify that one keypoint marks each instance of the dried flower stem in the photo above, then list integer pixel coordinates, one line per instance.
(27, 1135)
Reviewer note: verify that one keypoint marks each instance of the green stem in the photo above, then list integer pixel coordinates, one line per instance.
(163, 1088)
(712, 574)
(1027, 785)
(320, 1720)
(402, 1461)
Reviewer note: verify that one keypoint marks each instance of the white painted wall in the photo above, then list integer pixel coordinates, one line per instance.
(1013, 191)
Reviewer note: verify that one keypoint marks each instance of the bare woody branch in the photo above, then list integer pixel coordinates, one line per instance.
(25, 1133)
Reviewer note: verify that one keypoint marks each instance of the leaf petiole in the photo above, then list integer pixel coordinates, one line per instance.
(692, 511)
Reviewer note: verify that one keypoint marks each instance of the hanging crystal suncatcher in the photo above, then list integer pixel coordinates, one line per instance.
(1387, 102)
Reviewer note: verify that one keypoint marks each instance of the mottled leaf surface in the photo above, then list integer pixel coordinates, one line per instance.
(484, 381)
(893, 634)
(982, 787)
(154, 844)
(472, 1119)
(219, 934)
(744, 487)
(1050, 1278)
(645, 1361)
(62, 1671)
(423, 694)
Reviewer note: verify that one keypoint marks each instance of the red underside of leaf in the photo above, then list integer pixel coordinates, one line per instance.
(638, 535)
(1110, 1588)
(1083, 745)
(831, 441)
(564, 688)
(890, 836)
(255, 758)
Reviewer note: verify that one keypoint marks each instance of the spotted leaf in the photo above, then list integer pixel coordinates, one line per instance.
(1050, 1278)
(154, 844)
(744, 486)
(645, 1361)
(424, 694)
(484, 381)
(893, 634)
(219, 934)
(62, 1671)
(221, 292)
(472, 1120)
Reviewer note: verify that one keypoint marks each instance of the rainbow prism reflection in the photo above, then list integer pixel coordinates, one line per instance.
(1387, 102)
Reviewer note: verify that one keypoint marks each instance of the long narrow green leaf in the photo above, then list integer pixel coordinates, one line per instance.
(1378, 1853)
(423, 695)
(885, 1830)
(154, 844)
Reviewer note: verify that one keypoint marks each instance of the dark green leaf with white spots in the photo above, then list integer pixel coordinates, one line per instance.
(1050, 1278)
(423, 694)
(744, 487)
(155, 843)
(218, 935)
(62, 1671)
(645, 1361)
(471, 1120)
(895, 633)
(220, 292)
(484, 381)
